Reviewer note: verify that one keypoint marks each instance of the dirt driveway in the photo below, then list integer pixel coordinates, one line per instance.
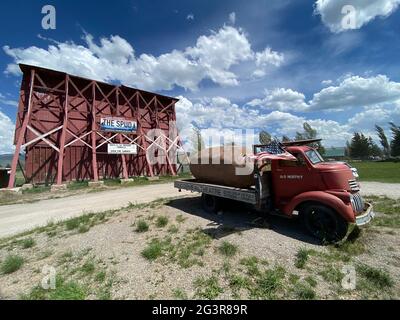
(21, 217)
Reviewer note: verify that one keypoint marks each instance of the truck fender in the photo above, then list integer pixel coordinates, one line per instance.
(345, 210)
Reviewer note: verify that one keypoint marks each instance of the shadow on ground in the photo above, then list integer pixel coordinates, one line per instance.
(236, 217)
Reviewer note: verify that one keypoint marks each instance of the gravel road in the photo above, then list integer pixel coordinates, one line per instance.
(390, 190)
(21, 217)
(17, 218)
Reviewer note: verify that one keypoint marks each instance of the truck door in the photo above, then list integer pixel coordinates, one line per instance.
(291, 178)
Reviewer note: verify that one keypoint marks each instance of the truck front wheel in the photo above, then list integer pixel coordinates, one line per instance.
(210, 203)
(324, 223)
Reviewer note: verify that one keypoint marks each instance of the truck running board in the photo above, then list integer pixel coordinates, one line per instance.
(243, 195)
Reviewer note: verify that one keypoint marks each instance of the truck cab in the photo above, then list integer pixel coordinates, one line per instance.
(326, 195)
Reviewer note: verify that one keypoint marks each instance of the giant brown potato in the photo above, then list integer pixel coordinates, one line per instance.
(219, 165)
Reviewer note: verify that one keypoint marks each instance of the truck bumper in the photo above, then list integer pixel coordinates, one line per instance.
(366, 216)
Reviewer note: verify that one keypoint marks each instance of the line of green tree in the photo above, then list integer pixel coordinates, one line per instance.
(363, 147)
(308, 133)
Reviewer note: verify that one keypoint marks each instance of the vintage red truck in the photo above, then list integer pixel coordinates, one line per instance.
(324, 195)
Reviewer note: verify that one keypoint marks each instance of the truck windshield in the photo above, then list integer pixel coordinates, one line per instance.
(314, 156)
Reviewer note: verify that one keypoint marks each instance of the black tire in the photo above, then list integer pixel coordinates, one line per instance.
(324, 223)
(210, 203)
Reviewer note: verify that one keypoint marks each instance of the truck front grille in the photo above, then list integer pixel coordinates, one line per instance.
(357, 202)
(354, 185)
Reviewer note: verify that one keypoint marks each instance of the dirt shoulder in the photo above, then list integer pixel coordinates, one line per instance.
(174, 250)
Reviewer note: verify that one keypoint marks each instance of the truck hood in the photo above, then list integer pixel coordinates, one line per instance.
(336, 175)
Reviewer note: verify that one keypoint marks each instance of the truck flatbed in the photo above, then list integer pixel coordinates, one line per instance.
(243, 195)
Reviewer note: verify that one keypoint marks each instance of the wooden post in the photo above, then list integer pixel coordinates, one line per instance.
(60, 165)
(22, 132)
(94, 124)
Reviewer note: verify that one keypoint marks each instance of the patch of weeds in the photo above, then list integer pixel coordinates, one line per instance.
(390, 210)
(207, 288)
(227, 249)
(180, 218)
(74, 223)
(189, 248)
(100, 276)
(301, 258)
(331, 274)
(88, 267)
(179, 294)
(11, 264)
(353, 246)
(161, 221)
(65, 290)
(237, 282)
(226, 267)
(28, 243)
(173, 229)
(155, 249)
(304, 291)
(83, 228)
(105, 292)
(142, 226)
(377, 279)
(311, 281)
(293, 278)
(251, 263)
(268, 283)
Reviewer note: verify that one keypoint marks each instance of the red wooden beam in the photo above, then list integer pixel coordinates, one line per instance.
(94, 139)
(21, 135)
(60, 165)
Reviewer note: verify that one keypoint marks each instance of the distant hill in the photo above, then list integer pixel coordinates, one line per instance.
(6, 159)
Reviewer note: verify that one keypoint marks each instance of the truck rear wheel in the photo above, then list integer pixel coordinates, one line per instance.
(324, 223)
(210, 203)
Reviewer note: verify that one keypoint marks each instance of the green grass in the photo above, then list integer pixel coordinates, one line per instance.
(208, 288)
(64, 290)
(376, 279)
(142, 226)
(78, 185)
(303, 291)
(100, 276)
(251, 263)
(161, 221)
(153, 250)
(331, 274)
(11, 264)
(301, 258)
(389, 209)
(227, 249)
(268, 283)
(28, 243)
(189, 249)
(74, 223)
(179, 294)
(378, 171)
(88, 267)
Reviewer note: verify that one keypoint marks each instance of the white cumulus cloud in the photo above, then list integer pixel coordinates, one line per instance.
(7, 128)
(335, 15)
(281, 99)
(356, 91)
(114, 59)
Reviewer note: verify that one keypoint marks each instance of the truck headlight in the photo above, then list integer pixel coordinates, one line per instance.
(355, 173)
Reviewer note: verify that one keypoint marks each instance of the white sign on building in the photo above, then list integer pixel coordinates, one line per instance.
(114, 148)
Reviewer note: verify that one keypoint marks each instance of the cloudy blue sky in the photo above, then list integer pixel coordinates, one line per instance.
(256, 64)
